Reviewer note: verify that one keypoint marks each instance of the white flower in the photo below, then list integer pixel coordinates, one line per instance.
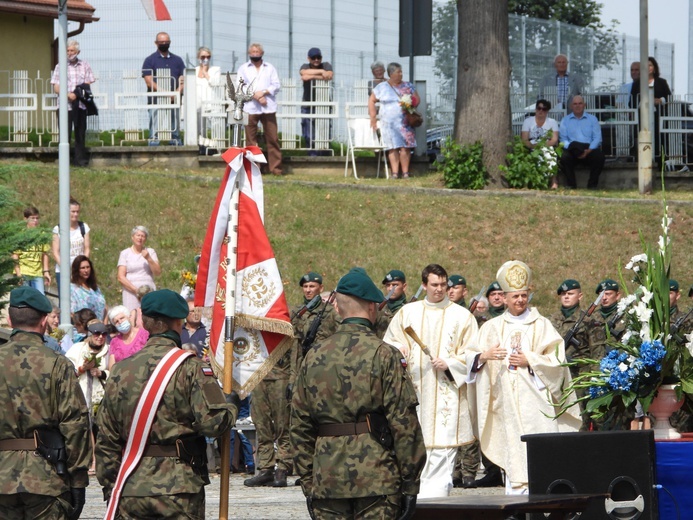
(626, 336)
(689, 345)
(636, 260)
(646, 295)
(623, 303)
(623, 367)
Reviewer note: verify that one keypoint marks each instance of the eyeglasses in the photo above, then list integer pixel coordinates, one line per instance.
(318, 57)
(99, 333)
(205, 57)
(544, 109)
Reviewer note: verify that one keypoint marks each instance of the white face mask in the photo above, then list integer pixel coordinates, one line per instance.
(124, 327)
(204, 62)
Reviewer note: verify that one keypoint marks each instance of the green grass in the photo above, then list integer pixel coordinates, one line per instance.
(333, 224)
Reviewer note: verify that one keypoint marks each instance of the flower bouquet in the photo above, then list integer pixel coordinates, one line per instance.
(407, 103)
(189, 279)
(647, 355)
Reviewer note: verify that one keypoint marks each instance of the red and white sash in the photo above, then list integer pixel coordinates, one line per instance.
(142, 422)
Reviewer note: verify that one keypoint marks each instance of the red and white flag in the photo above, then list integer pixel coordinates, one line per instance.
(156, 9)
(263, 330)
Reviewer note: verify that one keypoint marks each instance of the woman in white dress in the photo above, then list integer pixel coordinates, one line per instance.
(137, 266)
(535, 128)
(206, 78)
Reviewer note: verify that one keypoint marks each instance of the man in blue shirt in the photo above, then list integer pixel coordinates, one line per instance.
(581, 136)
(163, 71)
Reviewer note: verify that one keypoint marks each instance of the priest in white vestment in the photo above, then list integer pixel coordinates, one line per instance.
(439, 375)
(516, 369)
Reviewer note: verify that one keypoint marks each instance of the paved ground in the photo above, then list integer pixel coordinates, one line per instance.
(260, 503)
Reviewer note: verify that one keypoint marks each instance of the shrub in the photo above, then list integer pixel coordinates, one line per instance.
(463, 166)
(533, 168)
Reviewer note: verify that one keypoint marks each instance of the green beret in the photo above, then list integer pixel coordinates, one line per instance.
(394, 276)
(26, 296)
(310, 277)
(495, 286)
(673, 285)
(568, 285)
(357, 283)
(165, 303)
(607, 285)
(456, 279)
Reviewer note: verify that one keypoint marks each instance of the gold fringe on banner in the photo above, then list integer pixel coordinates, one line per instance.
(248, 321)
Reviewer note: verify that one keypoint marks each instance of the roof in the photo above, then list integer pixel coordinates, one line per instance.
(77, 10)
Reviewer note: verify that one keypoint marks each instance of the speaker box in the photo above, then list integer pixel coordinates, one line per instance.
(621, 463)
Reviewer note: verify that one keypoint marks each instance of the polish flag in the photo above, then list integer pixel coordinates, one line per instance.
(156, 9)
(263, 331)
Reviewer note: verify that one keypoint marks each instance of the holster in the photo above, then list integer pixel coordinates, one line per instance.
(380, 429)
(50, 444)
(193, 451)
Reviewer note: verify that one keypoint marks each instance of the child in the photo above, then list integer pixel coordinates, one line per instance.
(33, 264)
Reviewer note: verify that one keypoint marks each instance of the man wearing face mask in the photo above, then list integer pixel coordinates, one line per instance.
(172, 83)
(79, 73)
(263, 107)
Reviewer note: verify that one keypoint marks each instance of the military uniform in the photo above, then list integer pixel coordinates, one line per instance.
(345, 377)
(386, 313)
(682, 419)
(39, 390)
(192, 406)
(301, 324)
(563, 321)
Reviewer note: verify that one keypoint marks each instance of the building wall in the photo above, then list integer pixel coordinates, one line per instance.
(26, 43)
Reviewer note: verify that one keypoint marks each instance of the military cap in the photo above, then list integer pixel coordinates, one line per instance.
(95, 326)
(310, 277)
(607, 285)
(568, 285)
(357, 283)
(493, 287)
(514, 276)
(394, 276)
(165, 303)
(673, 285)
(26, 296)
(456, 279)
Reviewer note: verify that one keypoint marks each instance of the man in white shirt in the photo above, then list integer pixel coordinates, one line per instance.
(263, 107)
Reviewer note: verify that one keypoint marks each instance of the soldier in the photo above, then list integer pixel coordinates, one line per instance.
(570, 295)
(43, 413)
(358, 444)
(396, 282)
(604, 325)
(496, 303)
(457, 289)
(169, 480)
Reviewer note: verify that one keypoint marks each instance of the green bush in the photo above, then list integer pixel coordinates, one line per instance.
(533, 168)
(463, 166)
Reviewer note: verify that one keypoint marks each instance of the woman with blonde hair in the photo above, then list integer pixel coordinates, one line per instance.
(137, 266)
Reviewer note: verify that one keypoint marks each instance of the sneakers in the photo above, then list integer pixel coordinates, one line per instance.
(264, 478)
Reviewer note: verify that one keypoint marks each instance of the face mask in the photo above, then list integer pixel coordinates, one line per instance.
(163, 47)
(78, 336)
(72, 58)
(255, 59)
(204, 62)
(124, 327)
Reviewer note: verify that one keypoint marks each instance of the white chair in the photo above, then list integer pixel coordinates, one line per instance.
(362, 137)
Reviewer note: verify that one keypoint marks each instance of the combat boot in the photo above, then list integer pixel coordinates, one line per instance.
(263, 478)
(494, 478)
(279, 478)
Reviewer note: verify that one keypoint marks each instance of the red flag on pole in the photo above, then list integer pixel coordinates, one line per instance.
(262, 326)
(156, 9)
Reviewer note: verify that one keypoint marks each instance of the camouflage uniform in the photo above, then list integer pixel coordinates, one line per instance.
(342, 379)
(385, 315)
(328, 326)
(682, 419)
(38, 389)
(563, 324)
(270, 411)
(492, 312)
(192, 405)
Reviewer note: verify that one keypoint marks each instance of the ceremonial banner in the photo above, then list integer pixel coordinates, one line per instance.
(263, 330)
(156, 9)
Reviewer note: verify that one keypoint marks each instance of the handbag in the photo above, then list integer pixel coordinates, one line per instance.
(413, 119)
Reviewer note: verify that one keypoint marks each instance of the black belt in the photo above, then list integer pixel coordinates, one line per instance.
(340, 430)
(158, 450)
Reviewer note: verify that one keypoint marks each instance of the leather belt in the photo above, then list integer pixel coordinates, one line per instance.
(17, 444)
(158, 450)
(340, 430)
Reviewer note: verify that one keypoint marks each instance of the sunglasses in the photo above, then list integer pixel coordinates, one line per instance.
(542, 108)
(99, 333)
(205, 57)
(316, 57)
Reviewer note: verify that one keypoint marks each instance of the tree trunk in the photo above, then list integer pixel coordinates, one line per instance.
(482, 110)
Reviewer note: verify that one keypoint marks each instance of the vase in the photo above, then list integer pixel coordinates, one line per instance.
(663, 405)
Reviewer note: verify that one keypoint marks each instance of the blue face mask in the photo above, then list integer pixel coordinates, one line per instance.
(78, 336)
(124, 327)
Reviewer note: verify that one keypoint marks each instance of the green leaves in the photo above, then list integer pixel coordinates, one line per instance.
(529, 168)
(463, 167)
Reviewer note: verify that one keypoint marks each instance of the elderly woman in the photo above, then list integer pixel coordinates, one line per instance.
(206, 78)
(137, 266)
(378, 71)
(84, 289)
(398, 137)
(130, 339)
